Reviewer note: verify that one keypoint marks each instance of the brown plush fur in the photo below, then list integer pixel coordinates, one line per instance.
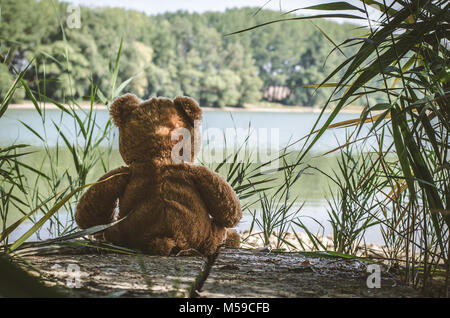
(173, 207)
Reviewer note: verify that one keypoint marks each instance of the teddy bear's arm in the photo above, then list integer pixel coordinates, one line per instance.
(220, 199)
(96, 206)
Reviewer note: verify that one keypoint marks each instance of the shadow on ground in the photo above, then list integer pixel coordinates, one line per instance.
(233, 273)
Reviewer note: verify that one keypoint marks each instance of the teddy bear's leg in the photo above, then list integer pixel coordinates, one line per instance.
(160, 246)
(216, 238)
(112, 235)
(233, 239)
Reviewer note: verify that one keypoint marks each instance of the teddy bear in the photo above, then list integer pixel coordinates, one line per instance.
(164, 206)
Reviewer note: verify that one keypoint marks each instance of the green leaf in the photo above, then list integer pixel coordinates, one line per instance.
(321, 16)
(333, 6)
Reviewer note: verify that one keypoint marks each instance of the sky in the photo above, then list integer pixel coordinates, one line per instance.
(158, 6)
(152, 7)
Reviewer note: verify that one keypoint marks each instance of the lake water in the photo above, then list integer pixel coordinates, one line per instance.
(277, 128)
(290, 126)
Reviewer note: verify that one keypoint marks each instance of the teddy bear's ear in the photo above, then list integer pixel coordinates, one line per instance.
(189, 107)
(122, 107)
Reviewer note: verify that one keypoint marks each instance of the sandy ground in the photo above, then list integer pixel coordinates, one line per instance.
(229, 273)
(255, 240)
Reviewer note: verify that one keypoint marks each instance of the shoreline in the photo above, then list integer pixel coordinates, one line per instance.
(252, 109)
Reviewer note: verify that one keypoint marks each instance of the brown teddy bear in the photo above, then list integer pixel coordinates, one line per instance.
(172, 207)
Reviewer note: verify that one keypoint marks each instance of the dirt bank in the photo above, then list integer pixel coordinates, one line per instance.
(232, 273)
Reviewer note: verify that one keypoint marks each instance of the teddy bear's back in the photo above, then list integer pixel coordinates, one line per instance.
(164, 203)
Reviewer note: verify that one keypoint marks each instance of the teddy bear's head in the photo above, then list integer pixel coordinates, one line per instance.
(150, 130)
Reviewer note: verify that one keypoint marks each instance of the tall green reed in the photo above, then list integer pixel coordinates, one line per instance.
(353, 209)
(44, 190)
(406, 51)
(277, 209)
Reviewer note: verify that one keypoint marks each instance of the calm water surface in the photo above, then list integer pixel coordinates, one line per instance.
(289, 126)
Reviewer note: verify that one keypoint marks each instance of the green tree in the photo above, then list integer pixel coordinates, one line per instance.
(135, 60)
(243, 65)
(170, 54)
(64, 71)
(6, 80)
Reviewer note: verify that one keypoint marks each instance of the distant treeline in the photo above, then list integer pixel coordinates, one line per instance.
(169, 54)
